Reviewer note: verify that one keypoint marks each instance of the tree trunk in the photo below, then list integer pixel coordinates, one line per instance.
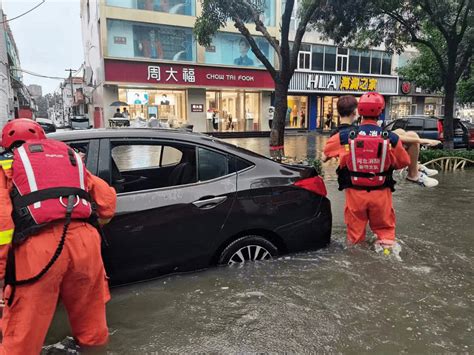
(450, 92)
(277, 134)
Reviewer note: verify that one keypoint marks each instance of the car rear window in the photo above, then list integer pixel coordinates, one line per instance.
(414, 124)
(431, 125)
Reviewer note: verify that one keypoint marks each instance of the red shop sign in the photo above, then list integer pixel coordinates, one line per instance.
(189, 75)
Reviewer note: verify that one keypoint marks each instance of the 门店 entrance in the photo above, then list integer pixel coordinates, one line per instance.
(228, 111)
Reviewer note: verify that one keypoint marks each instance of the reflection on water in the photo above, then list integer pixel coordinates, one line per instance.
(339, 299)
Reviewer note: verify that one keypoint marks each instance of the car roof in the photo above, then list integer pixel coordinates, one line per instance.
(161, 133)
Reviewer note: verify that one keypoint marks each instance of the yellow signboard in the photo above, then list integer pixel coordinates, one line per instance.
(353, 83)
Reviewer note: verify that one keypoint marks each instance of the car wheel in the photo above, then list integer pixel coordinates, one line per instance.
(248, 248)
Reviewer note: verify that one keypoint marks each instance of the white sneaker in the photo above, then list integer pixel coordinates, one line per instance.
(424, 180)
(427, 171)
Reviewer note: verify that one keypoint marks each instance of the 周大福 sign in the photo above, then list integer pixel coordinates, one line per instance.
(189, 75)
(343, 83)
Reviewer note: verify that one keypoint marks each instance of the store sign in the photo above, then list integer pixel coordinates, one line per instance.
(197, 108)
(120, 40)
(189, 75)
(342, 83)
(406, 87)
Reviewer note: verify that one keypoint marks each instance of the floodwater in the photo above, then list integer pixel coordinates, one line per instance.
(342, 300)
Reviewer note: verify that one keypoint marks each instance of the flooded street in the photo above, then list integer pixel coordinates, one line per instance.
(338, 299)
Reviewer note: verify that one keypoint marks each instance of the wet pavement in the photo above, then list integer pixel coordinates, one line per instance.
(338, 299)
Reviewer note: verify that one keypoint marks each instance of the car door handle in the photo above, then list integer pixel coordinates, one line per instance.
(209, 202)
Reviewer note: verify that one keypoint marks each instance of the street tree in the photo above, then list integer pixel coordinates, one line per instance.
(444, 27)
(246, 13)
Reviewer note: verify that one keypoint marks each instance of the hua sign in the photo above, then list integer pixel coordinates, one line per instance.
(342, 83)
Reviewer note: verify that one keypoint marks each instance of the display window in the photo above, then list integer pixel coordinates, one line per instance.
(233, 49)
(328, 117)
(401, 106)
(297, 114)
(133, 39)
(180, 7)
(433, 106)
(166, 106)
(233, 111)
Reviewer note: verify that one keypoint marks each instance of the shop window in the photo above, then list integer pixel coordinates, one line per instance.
(155, 108)
(178, 7)
(304, 60)
(233, 49)
(375, 65)
(354, 59)
(317, 60)
(139, 167)
(365, 62)
(233, 111)
(387, 64)
(299, 109)
(132, 39)
(329, 58)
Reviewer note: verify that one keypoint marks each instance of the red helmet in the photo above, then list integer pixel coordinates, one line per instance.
(21, 129)
(371, 104)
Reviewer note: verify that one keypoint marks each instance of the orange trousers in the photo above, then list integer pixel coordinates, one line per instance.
(77, 278)
(374, 207)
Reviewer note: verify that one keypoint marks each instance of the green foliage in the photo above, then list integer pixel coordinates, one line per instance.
(466, 88)
(430, 154)
(318, 165)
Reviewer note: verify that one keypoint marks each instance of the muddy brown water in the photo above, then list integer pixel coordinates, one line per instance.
(343, 300)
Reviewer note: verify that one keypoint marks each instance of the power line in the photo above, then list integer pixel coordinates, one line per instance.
(39, 75)
(23, 14)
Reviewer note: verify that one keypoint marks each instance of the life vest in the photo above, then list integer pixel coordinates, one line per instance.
(369, 165)
(369, 159)
(45, 173)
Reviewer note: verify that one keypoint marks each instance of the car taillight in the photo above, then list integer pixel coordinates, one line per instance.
(314, 184)
(440, 130)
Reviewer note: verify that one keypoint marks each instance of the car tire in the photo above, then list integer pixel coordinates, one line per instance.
(248, 248)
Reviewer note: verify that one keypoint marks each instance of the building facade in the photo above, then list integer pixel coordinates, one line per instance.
(143, 53)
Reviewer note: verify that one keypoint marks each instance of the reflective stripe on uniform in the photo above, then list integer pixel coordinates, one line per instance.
(80, 166)
(384, 156)
(6, 164)
(29, 173)
(6, 237)
(353, 156)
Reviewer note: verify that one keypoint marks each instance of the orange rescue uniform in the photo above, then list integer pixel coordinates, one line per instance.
(374, 207)
(77, 277)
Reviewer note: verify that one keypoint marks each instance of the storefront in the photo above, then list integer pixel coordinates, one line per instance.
(209, 98)
(415, 101)
(320, 91)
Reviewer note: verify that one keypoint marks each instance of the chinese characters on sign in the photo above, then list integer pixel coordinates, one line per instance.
(197, 108)
(352, 83)
(154, 73)
(368, 164)
(188, 75)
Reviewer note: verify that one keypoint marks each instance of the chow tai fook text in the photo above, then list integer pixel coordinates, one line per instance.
(189, 75)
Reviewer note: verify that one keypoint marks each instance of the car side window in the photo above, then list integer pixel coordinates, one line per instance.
(414, 124)
(145, 166)
(82, 148)
(136, 156)
(398, 124)
(211, 164)
(431, 125)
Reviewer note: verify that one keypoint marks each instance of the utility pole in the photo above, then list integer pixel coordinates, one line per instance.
(72, 90)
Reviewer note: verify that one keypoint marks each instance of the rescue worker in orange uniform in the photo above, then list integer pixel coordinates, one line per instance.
(367, 158)
(76, 276)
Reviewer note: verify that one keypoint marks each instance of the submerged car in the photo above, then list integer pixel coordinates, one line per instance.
(188, 201)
